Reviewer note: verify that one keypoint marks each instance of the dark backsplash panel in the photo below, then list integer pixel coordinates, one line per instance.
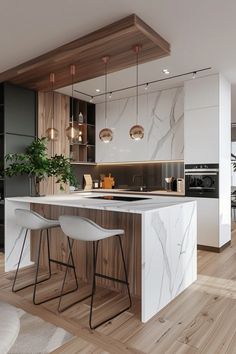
(150, 175)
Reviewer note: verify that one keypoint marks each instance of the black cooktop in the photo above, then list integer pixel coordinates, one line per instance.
(119, 198)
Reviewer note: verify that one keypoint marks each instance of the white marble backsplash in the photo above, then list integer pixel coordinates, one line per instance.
(162, 115)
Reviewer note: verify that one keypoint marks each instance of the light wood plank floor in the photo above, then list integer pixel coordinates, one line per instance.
(201, 320)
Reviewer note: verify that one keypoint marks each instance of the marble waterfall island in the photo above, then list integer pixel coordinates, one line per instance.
(159, 242)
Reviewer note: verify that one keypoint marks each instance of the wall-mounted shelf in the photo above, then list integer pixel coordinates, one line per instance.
(83, 152)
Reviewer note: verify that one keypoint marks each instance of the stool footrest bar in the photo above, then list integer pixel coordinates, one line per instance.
(110, 278)
(61, 263)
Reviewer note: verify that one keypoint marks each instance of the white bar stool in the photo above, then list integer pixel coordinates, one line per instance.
(30, 220)
(83, 229)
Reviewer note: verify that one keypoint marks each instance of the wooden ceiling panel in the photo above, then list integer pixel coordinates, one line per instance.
(115, 40)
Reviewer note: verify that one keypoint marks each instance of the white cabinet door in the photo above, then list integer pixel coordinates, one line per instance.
(121, 116)
(208, 222)
(202, 92)
(162, 116)
(201, 135)
(165, 125)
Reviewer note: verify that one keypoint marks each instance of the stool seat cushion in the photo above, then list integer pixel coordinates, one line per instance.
(9, 327)
(84, 229)
(34, 221)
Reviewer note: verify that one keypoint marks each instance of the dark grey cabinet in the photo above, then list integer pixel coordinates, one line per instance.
(17, 130)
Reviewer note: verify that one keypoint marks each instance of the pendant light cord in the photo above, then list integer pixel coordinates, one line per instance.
(137, 52)
(72, 99)
(52, 80)
(105, 93)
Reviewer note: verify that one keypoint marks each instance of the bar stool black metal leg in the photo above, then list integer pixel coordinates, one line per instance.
(126, 273)
(110, 278)
(95, 254)
(65, 264)
(72, 260)
(18, 265)
(49, 256)
(70, 257)
(37, 268)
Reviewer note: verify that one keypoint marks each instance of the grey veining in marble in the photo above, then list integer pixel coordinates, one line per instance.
(165, 133)
(161, 114)
(169, 254)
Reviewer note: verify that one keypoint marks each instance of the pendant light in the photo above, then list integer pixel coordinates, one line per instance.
(52, 133)
(72, 133)
(137, 131)
(106, 134)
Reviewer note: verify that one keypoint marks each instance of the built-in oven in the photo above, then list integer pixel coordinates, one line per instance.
(202, 180)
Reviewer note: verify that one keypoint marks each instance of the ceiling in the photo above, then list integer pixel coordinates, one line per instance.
(201, 33)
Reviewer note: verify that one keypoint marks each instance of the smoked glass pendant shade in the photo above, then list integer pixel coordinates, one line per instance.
(106, 135)
(52, 134)
(72, 134)
(136, 132)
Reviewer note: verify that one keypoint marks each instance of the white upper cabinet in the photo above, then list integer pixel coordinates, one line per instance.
(165, 125)
(202, 135)
(201, 92)
(201, 120)
(121, 116)
(162, 116)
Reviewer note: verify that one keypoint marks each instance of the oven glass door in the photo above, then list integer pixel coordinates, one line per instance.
(203, 184)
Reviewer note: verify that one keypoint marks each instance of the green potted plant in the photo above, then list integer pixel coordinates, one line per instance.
(36, 164)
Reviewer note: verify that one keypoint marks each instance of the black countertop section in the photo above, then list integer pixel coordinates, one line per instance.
(119, 198)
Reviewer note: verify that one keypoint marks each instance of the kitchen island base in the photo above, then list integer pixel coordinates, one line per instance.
(159, 245)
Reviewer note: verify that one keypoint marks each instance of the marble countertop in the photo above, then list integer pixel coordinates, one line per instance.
(84, 200)
(150, 193)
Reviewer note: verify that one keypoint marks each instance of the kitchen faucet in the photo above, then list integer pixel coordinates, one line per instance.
(141, 184)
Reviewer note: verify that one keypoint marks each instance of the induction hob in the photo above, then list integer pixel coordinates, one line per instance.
(118, 198)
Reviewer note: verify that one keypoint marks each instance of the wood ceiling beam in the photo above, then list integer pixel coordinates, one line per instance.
(115, 40)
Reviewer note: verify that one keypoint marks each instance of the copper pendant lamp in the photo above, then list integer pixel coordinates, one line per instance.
(137, 131)
(106, 134)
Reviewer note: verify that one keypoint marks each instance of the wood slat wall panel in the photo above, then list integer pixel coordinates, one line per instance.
(109, 261)
(61, 122)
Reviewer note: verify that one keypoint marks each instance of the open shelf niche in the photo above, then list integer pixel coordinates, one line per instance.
(84, 119)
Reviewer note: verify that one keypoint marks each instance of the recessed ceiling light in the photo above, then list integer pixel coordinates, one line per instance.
(166, 71)
(98, 90)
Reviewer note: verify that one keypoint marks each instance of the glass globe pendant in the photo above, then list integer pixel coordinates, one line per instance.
(106, 134)
(136, 131)
(72, 132)
(52, 133)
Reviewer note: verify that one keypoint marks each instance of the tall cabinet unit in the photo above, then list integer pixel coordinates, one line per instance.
(207, 125)
(17, 130)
